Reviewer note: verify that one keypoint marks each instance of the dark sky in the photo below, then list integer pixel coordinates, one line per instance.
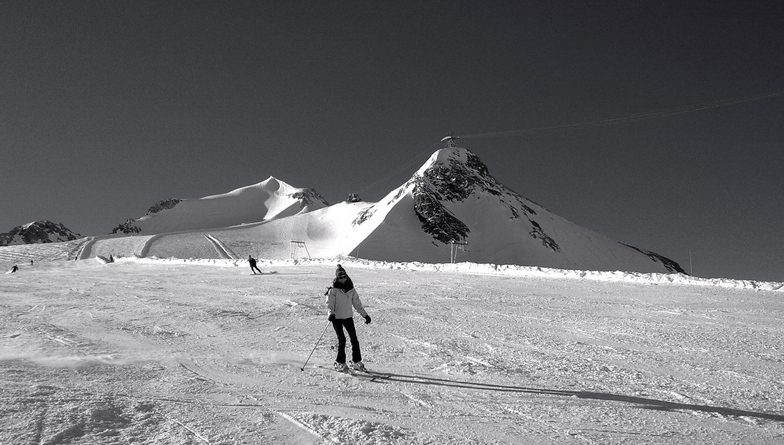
(665, 119)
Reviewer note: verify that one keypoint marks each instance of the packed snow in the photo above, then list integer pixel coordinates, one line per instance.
(176, 351)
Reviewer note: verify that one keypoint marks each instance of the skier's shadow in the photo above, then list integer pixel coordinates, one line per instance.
(644, 403)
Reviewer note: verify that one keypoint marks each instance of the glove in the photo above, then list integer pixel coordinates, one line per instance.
(331, 317)
(367, 319)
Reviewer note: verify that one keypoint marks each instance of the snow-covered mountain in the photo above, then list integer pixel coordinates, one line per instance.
(37, 232)
(265, 201)
(451, 210)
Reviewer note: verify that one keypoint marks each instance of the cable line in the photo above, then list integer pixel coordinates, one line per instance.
(406, 166)
(627, 119)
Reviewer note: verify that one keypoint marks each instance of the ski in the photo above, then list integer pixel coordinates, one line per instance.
(332, 368)
(372, 376)
(367, 374)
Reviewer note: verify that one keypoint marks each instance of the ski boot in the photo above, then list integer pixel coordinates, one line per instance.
(341, 367)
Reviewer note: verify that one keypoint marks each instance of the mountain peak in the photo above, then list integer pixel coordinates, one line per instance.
(264, 201)
(454, 155)
(37, 232)
(452, 175)
(457, 202)
(456, 172)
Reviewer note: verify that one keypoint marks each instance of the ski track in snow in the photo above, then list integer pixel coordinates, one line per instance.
(188, 352)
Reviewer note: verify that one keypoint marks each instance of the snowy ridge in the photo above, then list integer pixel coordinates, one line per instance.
(490, 269)
(268, 200)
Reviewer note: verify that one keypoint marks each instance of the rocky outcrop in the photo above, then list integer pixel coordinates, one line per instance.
(162, 205)
(38, 232)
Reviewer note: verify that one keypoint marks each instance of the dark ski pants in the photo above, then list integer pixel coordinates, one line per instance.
(348, 324)
(252, 267)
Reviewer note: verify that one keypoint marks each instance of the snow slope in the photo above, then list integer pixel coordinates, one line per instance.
(323, 233)
(184, 351)
(264, 201)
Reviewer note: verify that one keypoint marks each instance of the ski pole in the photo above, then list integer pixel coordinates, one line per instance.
(314, 347)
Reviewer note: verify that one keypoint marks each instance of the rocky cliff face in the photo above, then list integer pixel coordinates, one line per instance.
(455, 177)
(162, 205)
(38, 232)
(309, 197)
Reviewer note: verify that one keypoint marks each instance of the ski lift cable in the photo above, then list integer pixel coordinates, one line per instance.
(408, 165)
(628, 119)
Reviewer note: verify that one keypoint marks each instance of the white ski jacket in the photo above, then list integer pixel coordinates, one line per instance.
(340, 303)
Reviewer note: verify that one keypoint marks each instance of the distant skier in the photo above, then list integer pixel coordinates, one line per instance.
(253, 267)
(15, 268)
(342, 299)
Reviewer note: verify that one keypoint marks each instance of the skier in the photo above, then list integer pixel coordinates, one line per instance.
(15, 268)
(253, 267)
(342, 299)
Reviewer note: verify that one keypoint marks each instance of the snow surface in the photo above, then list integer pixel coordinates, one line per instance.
(176, 351)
